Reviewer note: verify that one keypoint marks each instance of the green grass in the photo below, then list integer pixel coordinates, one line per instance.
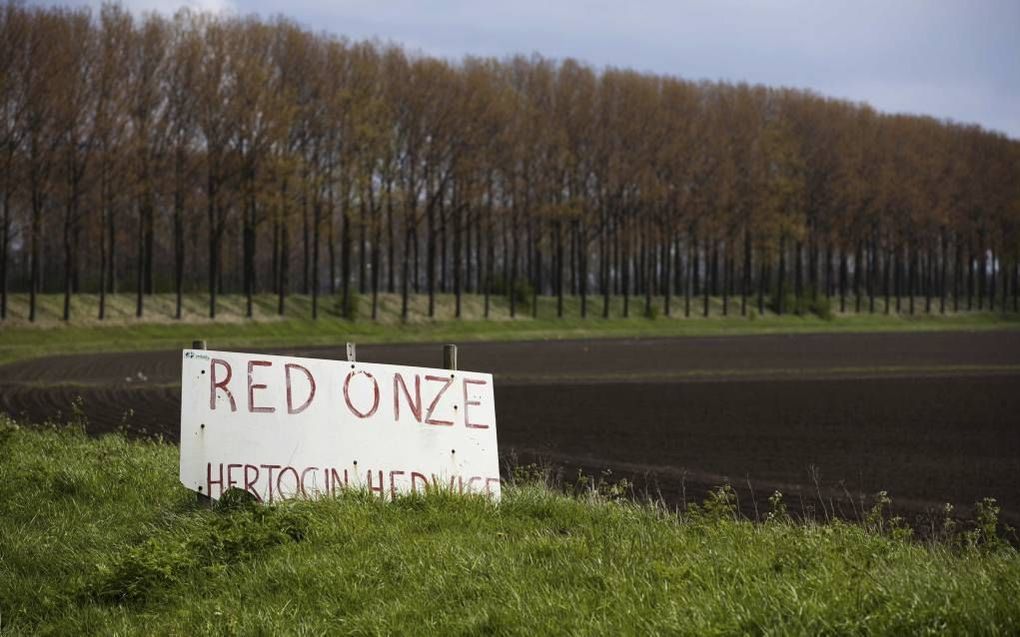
(157, 329)
(97, 537)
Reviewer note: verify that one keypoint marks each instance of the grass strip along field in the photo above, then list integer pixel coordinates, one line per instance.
(157, 329)
(97, 536)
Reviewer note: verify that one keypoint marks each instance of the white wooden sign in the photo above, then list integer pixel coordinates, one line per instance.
(282, 427)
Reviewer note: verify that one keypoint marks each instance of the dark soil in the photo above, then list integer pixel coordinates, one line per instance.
(827, 419)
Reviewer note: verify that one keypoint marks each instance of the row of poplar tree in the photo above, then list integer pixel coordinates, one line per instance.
(235, 154)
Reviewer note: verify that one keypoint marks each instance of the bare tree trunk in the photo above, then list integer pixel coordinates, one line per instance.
(283, 284)
(726, 283)
(912, 273)
(331, 245)
(215, 230)
(178, 251)
(651, 255)
(306, 243)
(362, 250)
(1006, 274)
(35, 275)
(604, 263)
(513, 275)
(813, 261)
(943, 255)
(618, 262)
(69, 213)
(678, 279)
(112, 228)
(467, 251)
(872, 270)
(970, 275)
(150, 251)
(102, 247)
(390, 240)
(536, 271)
(282, 287)
(745, 285)
(376, 257)
(346, 245)
(762, 282)
(442, 243)
(247, 244)
(5, 251)
(479, 251)
(625, 261)
(416, 244)
(140, 263)
(405, 272)
(275, 267)
(490, 258)
(927, 277)
(898, 275)
(583, 267)
(829, 282)
(709, 282)
(726, 278)
(886, 274)
(457, 265)
(858, 266)
(781, 279)
(798, 278)
(981, 272)
(505, 254)
(991, 284)
(430, 256)
(316, 228)
(558, 234)
(574, 256)
(490, 255)
(692, 271)
(667, 289)
(843, 276)
(1016, 281)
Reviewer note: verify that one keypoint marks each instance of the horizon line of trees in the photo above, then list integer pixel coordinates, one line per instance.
(235, 154)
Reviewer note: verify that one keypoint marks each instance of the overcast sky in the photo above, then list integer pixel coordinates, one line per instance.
(946, 58)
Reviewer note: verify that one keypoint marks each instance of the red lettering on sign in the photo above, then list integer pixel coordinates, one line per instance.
(378, 489)
(303, 474)
(209, 482)
(271, 467)
(252, 386)
(279, 480)
(414, 404)
(468, 403)
(230, 475)
(347, 395)
(336, 479)
(393, 486)
(249, 482)
(214, 385)
(488, 484)
(290, 402)
(415, 476)
(435, 401)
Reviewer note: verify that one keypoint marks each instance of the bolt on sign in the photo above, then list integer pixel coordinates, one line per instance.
(280, 427)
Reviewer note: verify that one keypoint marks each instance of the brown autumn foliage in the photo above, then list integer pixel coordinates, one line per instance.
(232, 154)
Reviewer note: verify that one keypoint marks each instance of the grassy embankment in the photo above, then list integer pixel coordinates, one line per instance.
(157, 329)
(97, 537)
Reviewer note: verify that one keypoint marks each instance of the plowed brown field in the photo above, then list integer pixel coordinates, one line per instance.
(930, 418)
